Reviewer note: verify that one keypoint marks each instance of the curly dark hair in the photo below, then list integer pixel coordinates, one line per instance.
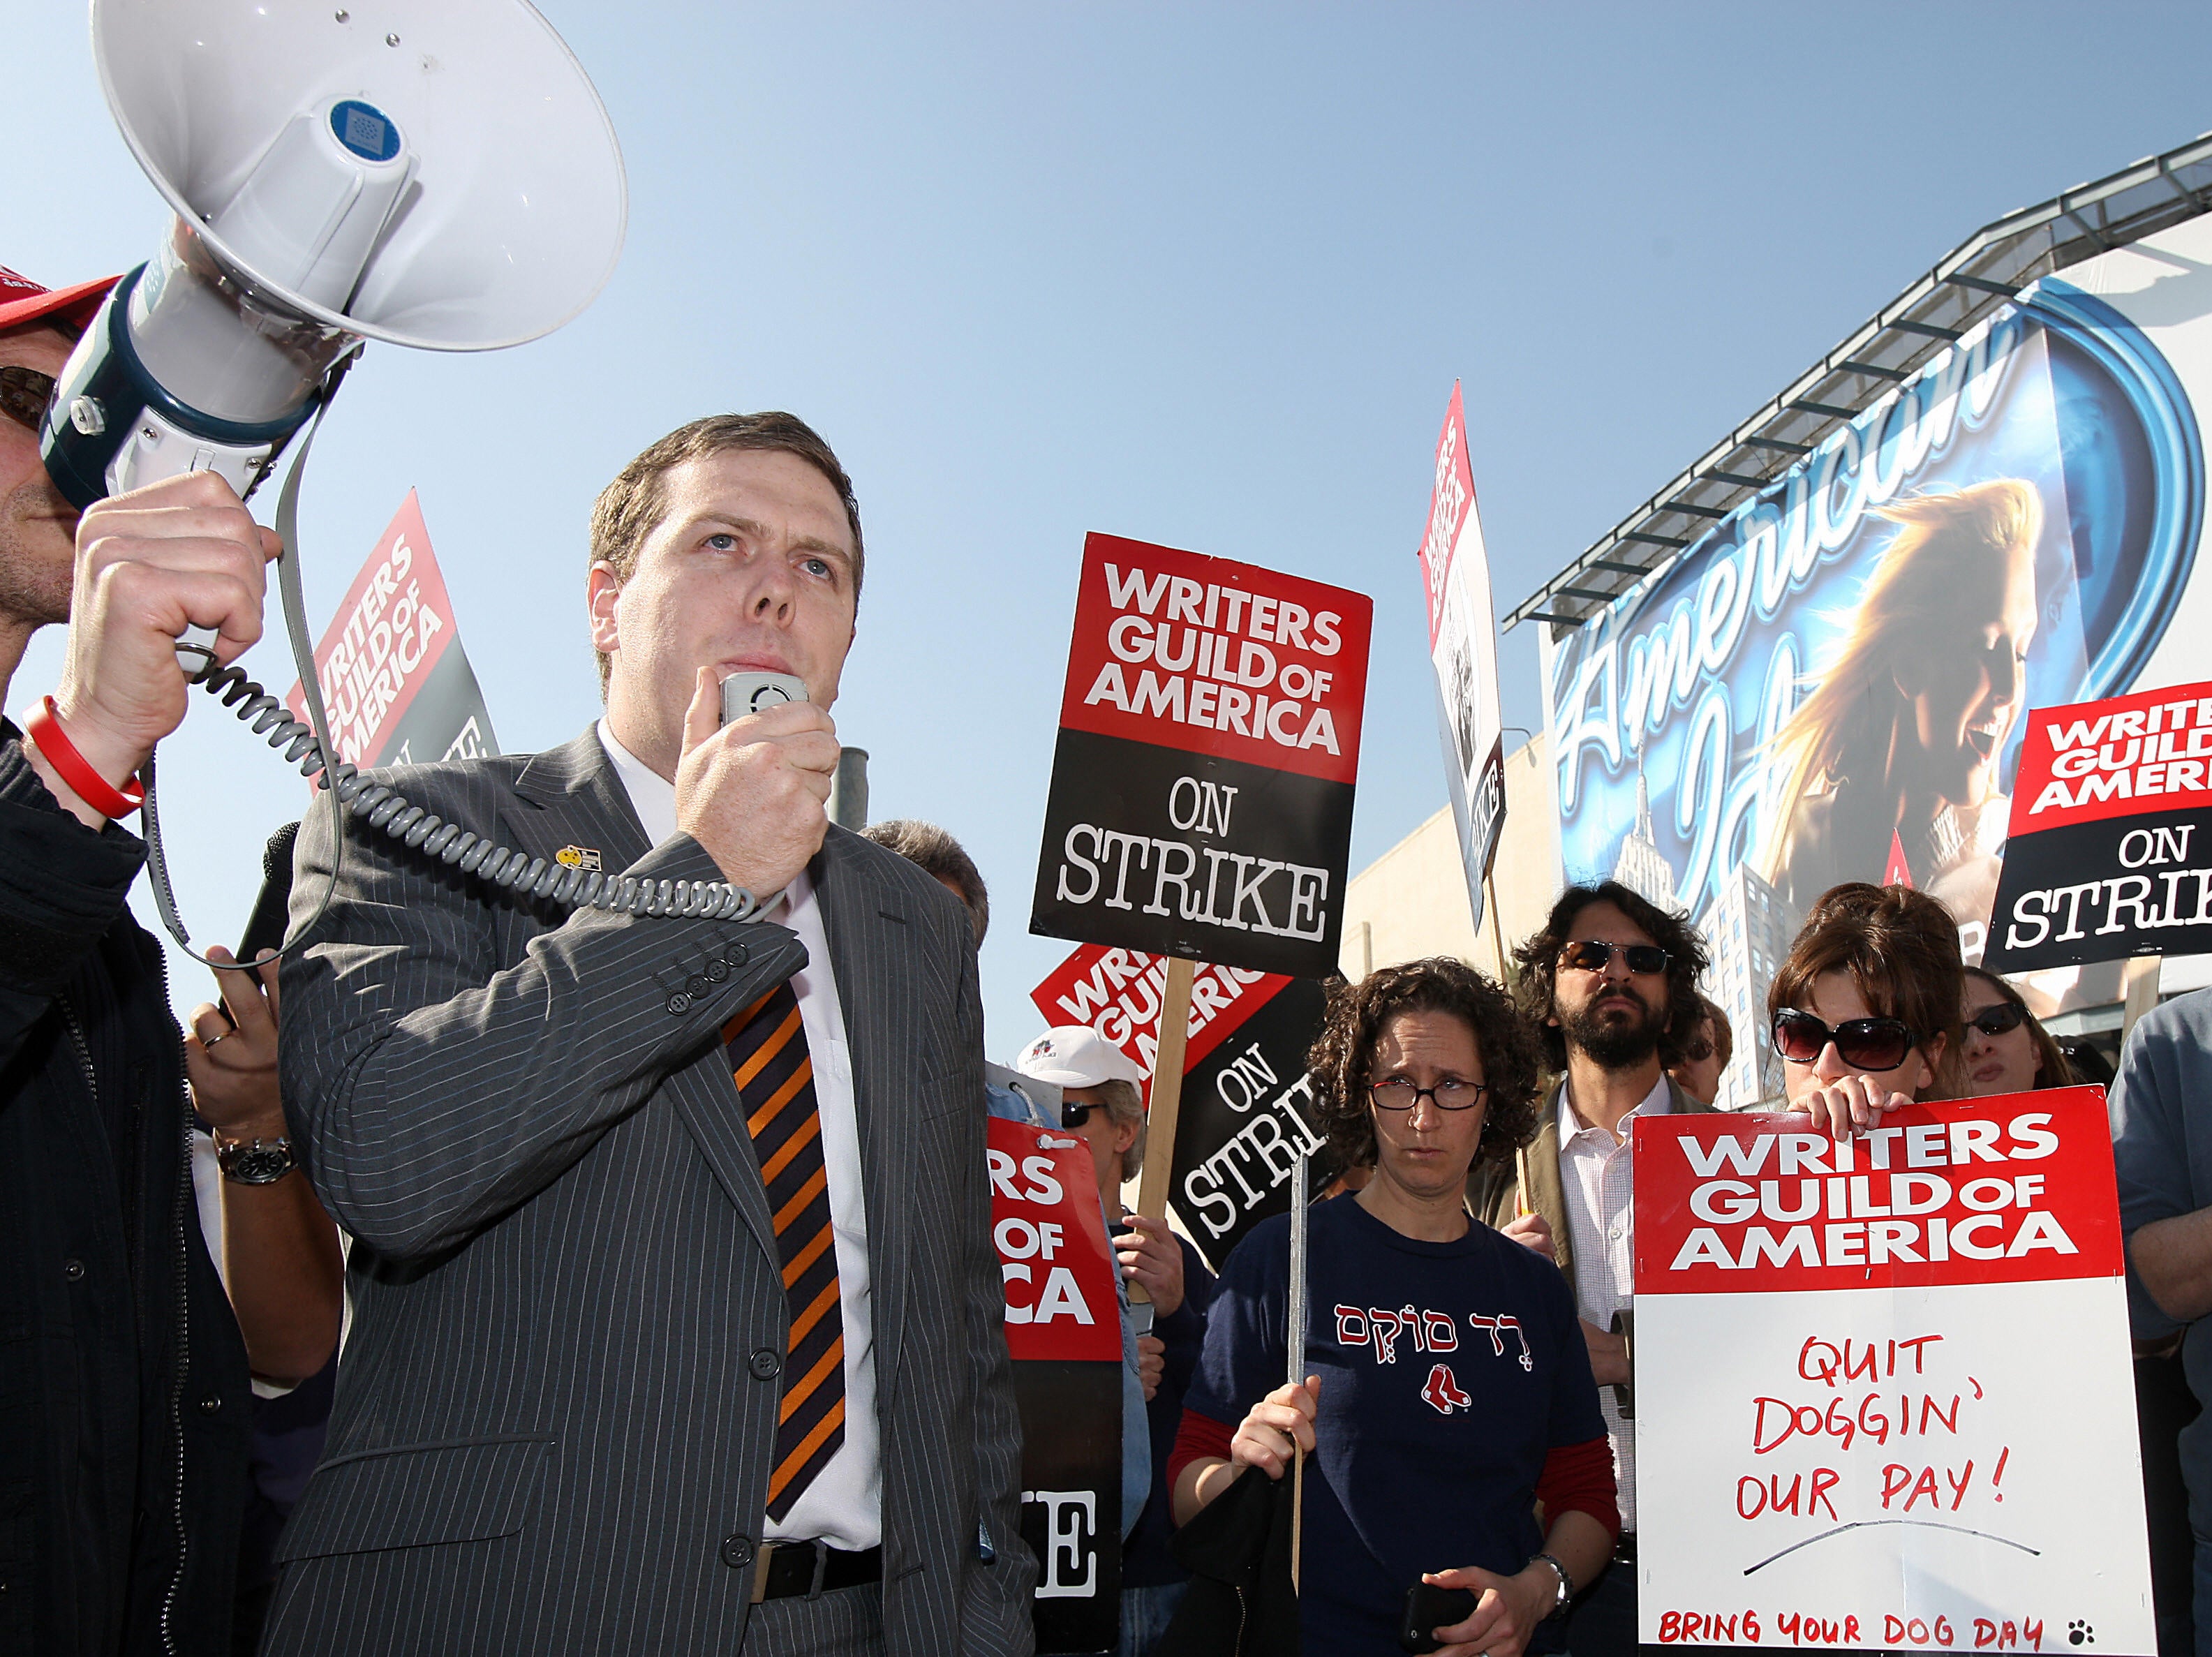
(1539, 962)
(1342, 1057)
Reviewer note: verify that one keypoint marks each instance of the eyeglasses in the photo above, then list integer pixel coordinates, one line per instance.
(1075, 1114)
(24, 395)
(1699, 1051)
(2001, 1019)
(1593, 955)
(1865, 1044)
(1451, 1093)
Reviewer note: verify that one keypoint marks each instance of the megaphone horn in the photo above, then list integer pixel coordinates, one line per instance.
(436, 174)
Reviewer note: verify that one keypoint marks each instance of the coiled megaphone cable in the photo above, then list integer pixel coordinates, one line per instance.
(383, 807)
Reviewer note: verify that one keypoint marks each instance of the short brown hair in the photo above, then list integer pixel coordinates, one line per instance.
(2052, 1068)
(1900, 947)
(1343, 1056)
(1723, 1032)
(1537, 984)
(940, 857)
(631, 507)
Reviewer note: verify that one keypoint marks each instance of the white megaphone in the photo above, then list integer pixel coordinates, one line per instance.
(437, 173)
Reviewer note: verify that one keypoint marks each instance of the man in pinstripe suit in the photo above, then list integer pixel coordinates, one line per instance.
(676, 1322)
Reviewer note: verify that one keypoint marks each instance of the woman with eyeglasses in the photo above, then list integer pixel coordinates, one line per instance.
(2008, 1049)
(1448, 1388)
(1866, 1009)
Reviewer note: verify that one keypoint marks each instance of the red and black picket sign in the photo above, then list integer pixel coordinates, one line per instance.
(1247, 1117)
(1064, 1333)
(1202, 786)
(2110, 853)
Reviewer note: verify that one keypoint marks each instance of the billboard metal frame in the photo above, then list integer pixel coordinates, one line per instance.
(1986, 270)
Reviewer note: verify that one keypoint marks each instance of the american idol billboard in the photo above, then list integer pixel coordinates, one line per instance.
(1831, 684)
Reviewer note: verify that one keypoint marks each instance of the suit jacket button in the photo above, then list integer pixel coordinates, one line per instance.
(718, 970)
(765, 1364)
(694, 984)
(736, 1551)
(679, 1003)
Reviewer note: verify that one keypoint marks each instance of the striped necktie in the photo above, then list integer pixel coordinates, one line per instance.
(776, 1082)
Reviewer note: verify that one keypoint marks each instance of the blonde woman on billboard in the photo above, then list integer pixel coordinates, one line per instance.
(1896, 751)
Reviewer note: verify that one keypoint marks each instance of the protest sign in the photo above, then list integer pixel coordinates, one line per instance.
(1118, 992)
(1247, 1119)
(1245, 1112)
(1463, 645)
(1200, 804)
(1884, 1395)
(1064, 1332)
(397, 684)
(2104, 860)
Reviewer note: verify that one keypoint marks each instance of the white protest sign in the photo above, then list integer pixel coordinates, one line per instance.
(1463, 645)
(1883, 1390)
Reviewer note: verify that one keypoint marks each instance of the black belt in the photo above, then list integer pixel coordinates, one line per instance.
(1624, 1548)
(787, 1567)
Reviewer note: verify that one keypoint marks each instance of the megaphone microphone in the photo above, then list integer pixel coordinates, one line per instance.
(436, 174)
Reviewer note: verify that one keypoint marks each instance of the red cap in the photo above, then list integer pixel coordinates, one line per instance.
(23, 302)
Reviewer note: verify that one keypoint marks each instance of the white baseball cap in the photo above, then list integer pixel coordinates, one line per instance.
(1076, 1056)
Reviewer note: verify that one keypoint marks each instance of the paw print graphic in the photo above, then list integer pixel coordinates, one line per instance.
(2079, 1633)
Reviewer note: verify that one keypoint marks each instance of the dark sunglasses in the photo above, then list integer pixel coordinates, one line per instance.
(1699, 1051)
(1592, 955)
(1865, 1044)
(2001, 1019)
(24, 395)
(1075, 1115)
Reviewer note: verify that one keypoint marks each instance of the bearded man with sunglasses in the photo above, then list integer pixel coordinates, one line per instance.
(1610, 986)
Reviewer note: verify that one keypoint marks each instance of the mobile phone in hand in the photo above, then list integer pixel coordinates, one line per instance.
(1429, 1608)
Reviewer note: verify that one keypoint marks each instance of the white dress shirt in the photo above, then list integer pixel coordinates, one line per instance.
(844, 1506)
(1594, 1176)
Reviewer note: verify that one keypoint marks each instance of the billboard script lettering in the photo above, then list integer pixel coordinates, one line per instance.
(1463, 645)
(2109, 854)
(1884, 1391)
(1064, 1332)
(397, 684)
(1246, 1113)
(1836, 676)
(1201, 787)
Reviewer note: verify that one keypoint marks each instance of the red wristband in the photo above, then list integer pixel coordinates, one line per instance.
(44, 728)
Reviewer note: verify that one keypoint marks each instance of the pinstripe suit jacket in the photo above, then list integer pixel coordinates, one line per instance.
(548, 1437)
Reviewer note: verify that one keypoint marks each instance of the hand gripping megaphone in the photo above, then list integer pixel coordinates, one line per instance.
(437, 173)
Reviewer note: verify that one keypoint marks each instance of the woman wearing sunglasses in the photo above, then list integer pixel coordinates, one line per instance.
(1448, 1381)
(1866, 1009)
(2008, 1049)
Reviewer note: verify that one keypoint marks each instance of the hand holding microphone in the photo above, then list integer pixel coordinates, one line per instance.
(754, 793)
(181, 552)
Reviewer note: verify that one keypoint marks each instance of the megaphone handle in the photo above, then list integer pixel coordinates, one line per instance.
(196, 651)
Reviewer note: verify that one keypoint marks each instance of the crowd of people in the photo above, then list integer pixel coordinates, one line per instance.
(662, 1244)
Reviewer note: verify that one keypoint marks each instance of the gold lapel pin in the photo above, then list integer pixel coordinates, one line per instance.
(586, 858)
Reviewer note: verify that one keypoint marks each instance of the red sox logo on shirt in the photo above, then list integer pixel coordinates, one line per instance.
(1442, 1391)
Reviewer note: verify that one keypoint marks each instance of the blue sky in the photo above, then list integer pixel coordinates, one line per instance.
(1196, 275)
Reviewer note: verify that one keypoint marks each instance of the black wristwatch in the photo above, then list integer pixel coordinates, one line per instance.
(256, 1161)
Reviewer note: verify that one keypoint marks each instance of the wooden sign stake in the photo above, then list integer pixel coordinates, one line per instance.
(2139, 981)
(1167, 1097)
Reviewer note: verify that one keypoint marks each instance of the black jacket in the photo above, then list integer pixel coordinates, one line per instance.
(124, 1391)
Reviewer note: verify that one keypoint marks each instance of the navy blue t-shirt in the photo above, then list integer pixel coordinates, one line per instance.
(1449, 1371)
